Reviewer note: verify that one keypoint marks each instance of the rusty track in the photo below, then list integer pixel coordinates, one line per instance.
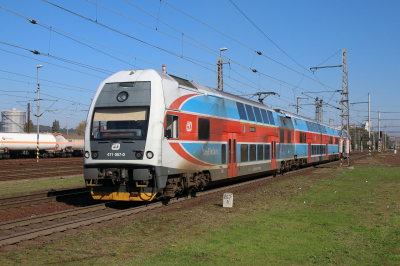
(13, 232)
(51, 196)
(24, 169)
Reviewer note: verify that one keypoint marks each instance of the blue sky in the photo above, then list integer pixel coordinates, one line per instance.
(308, 31)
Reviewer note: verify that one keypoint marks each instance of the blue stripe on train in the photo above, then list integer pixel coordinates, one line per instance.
(212, 105)
(207, 152)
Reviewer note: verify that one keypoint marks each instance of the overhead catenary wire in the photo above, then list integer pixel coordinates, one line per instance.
(252, 49)
(129, 36)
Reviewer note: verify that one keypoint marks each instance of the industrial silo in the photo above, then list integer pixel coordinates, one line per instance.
(13, 121)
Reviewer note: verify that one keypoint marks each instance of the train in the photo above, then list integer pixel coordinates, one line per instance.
(151, 135)
(19, 145)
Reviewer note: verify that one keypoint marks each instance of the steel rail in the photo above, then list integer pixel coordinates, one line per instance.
(48, 230)
(24, 200)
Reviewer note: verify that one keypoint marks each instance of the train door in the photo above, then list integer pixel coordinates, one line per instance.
(232, 155)
(309, 152)
(273, 155)
(326, 151)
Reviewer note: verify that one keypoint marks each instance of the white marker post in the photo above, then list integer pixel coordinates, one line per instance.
(228, 200)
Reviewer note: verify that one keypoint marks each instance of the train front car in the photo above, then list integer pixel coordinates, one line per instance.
(122, 159)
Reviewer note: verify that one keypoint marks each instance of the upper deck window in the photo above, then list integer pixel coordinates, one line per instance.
(242, 112)
(250, 113)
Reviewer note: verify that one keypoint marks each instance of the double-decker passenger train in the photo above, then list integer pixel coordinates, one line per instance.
(152, 135)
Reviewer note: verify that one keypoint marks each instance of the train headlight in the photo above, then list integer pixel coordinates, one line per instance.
(87, 154)
(122, 96)
(149, 154)
(95, 154)
(138, 155)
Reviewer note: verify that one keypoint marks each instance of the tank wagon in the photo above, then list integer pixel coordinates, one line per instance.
(69, 145)
(152, 135)
(16, 145)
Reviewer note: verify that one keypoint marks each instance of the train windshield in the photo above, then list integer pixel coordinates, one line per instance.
(120, 123)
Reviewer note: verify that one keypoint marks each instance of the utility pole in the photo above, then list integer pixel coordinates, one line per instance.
(379, 131)
(344, 102)
(369, 125)
(318, 110)
(29, 119)
(220, 76)
(38, 115)
(385, 138)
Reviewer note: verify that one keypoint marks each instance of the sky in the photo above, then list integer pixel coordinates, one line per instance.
(81, 44)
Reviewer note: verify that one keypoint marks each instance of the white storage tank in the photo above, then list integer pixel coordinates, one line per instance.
(13, 121)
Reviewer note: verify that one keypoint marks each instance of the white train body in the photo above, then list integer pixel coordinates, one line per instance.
(149, 134)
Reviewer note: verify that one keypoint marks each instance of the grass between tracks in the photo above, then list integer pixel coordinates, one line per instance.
(30, 186)
(327, 218)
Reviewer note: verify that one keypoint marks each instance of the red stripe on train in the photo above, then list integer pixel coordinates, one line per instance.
(179, 150)
(178, 102)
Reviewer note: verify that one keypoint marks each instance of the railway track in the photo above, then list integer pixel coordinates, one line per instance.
(51, 196)
(23, 169)
(13, 232)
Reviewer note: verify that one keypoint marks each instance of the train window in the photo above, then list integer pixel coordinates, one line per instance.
(264, 116)
(120, 123)
(230, 150)
(305, 137)
(258, 114)
(271, 118)
(253, 152)
(234, 151)
(244, 152)
(260, 152)
(242, 112)
(289, 136)
(282, 136)
(250, 112)
(267, 152)
(204, 129)
(173, 126)
(300, 137)
(223, 153)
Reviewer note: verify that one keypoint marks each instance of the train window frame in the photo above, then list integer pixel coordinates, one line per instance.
(241, 110)
(244, 153)
(229, 150)
(271, 118)
(203, 131)
(223, 153)
(264, 116)
(289, 136)
(253, 153)
(260, 152)
(234, 151)
(250, 113)
(172, 121)
(282, 136)
(305, 137)
(257, 114)
(267, 152)
(300, 137)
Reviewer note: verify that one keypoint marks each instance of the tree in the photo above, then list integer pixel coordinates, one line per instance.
(80, 129)
(31, 128)
(56, 126)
